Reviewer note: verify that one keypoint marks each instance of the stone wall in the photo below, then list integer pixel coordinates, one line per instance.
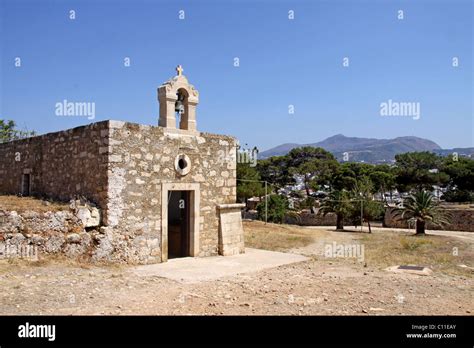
(51, 232)
(61, 165)
(141, 160)
(308, 219)
(461, 220)
(317, 219)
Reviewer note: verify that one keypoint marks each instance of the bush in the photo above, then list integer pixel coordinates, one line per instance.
(308, 203)
(277, 207)
(372, 211)
(458, 196)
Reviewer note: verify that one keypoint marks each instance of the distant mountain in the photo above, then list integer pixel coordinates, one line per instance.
(363, 149)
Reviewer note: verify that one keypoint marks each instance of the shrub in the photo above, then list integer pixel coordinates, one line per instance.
(458, 196)
(277, 207)
(308, 203)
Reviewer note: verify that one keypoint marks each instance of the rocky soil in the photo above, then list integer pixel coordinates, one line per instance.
(316, 286)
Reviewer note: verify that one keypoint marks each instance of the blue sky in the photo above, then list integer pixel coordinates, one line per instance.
(282, 62)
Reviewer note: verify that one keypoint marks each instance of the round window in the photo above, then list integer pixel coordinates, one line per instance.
(182, 164)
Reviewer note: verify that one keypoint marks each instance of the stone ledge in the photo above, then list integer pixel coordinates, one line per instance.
(231, 206)
(177, 132)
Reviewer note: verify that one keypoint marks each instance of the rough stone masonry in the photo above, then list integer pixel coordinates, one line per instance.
(129, 171)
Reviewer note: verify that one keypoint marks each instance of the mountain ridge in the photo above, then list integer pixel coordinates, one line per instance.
(370, 150)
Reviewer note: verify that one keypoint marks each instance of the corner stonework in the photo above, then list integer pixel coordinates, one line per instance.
(231, 232)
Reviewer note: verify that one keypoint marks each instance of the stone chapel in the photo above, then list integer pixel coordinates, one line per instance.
(163, 191)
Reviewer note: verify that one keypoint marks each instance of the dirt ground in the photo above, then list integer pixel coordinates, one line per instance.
(319, 286)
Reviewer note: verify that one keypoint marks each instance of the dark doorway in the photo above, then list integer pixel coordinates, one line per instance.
(178, 224)
(25, 185)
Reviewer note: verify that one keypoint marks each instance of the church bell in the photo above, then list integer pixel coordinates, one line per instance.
(179, 105)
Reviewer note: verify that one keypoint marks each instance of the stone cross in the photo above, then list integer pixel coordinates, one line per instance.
(179, 70)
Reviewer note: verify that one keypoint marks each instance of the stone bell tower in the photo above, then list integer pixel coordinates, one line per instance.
(178, 97)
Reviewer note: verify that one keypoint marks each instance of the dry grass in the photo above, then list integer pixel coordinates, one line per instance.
(382, 249)
(386, 249)
(276, 237)
(21, 204)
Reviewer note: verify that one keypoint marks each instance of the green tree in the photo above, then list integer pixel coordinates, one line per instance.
(275, 170)
(314, 164)
(364, 205)
(9, 131)
(383, 180)
(422, 208)
(343, 178)
(359, 169)
(455, 195)
(300, 155)
(337, 202)
(277, 208)
(250, 188)
(460, 187)
(419, 171)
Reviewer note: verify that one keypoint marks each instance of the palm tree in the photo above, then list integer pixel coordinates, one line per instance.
(422, 208)
(337, 202)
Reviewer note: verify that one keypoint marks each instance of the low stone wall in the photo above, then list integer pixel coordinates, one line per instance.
(303, 219)
(316, 219)
(308, 219)
(29, 234)
(461, 220)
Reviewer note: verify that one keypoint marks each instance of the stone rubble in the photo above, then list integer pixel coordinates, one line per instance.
(71, 232)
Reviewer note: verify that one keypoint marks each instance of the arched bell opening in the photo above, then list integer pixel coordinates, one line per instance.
(178, 100)
(182, 109)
